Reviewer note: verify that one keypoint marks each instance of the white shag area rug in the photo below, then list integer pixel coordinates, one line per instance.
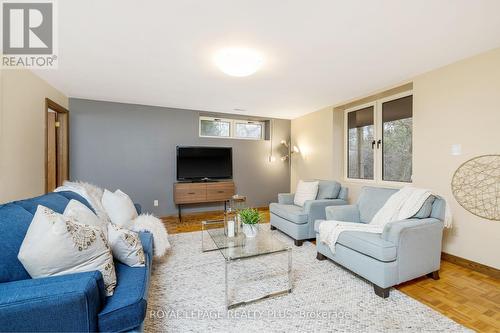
(187, 295)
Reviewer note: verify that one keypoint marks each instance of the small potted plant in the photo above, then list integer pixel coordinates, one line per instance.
(250, 217)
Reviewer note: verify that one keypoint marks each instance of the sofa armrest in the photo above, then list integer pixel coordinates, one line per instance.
(286, 198)
(147, 243)
(418, 244)
(316, 208)
(138, 208)
(346, 213)
(393, 231)
(58, 303)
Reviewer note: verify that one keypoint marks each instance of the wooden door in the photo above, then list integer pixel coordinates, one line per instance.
(51, 174)
(57, 146)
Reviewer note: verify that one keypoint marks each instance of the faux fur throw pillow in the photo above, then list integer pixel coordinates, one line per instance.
(92, 193)
(147, 222)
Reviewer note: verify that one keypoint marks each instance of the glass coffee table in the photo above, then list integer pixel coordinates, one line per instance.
(239, 248)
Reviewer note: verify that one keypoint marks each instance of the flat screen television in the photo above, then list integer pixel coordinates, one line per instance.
(204, 163)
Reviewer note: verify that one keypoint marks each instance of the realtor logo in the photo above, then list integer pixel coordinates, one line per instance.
(28, 34)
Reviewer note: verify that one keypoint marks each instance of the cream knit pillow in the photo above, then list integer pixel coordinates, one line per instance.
(305, 191)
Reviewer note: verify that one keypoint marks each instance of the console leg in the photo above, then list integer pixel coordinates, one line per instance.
(434, 275)
(381, 292)
(298, 242)
(179, 208)
(320, 256)
(273, 227)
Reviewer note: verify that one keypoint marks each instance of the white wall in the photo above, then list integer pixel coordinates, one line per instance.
(459, 103)
(22, 133)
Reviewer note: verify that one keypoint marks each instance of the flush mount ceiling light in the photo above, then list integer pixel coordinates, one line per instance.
(238, 61)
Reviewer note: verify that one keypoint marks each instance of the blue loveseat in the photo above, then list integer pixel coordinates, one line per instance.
(67, 303)
(405, 250)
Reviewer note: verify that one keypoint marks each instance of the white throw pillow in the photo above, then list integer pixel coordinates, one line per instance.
(305, 191)
(80, 213)
(120, 208)
(126, 246)
(56, 245)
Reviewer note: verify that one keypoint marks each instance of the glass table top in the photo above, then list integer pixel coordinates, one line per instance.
(240, 246)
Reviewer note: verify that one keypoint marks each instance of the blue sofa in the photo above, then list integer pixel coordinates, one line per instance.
(67, 303)
(405, 250)
(298, 222)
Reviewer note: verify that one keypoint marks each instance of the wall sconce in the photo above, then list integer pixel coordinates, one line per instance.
(291, 150)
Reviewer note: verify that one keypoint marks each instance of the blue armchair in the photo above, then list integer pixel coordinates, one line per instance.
(298, 222)
(405, 250)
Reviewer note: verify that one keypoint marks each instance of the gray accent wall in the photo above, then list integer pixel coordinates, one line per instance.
(133, 148)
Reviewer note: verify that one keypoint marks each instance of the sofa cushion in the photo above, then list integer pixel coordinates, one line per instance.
(371, 199)
(126, 309)
(14, 222)
(426, 209)
(54, 201)
(291, 213)
(369, 244)
(328, 189)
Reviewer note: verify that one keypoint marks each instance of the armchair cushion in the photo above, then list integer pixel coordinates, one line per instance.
(328, 189)
(372, 245)
(286, 198)
(59, 303)
(369, 244)
(346, 213)
(371, 200)
(291, 213)
(14, 222)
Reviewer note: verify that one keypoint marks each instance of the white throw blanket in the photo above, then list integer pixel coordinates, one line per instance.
(144, 222)
(400, 206)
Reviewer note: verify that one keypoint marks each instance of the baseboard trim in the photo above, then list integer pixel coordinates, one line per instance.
(475, 266)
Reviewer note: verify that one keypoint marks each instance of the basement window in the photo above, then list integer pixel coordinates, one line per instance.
(211, 127)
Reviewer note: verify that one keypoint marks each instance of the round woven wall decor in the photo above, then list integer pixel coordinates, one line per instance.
(476, 186)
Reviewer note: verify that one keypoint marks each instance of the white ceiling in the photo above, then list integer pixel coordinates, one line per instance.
(317, 53)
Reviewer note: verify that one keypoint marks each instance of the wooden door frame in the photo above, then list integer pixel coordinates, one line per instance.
(50, 104)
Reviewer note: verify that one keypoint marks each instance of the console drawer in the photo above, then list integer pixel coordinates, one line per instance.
(190, 193)
(220, 191)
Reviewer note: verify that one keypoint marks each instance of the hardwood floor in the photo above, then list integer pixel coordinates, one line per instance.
(192, 221)
(466, 296)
